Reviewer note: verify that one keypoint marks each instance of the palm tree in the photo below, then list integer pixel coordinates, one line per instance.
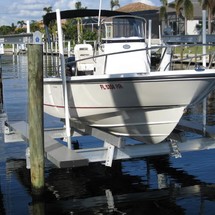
(163, 10)
(187, 7)
(47, 9)
(78, 6)
(114, 3)
(21, 23)
(35, 26)
(52, 25)
(208, 5)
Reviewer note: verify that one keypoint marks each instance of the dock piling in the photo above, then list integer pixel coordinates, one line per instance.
(35, 117)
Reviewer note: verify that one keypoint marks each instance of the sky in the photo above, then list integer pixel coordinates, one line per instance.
(13, 11)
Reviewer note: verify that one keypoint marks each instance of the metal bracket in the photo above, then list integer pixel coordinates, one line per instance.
(110, 154)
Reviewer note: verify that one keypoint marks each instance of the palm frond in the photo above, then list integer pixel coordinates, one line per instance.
(178, 5)
(162, 12)
(188, 9)
(164, 3)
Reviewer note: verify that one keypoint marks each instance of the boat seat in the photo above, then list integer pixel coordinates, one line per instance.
(81, 52)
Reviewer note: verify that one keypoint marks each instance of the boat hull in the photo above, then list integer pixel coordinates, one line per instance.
(146, 106)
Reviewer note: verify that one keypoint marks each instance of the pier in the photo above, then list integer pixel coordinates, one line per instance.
(19, 44)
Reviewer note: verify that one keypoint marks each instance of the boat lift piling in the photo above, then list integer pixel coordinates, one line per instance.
(63, 73)
(35, 116)
(204, 40)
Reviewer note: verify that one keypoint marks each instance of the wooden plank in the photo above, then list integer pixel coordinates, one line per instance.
(56, 152)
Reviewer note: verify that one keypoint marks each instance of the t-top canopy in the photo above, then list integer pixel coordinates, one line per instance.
(69, 14)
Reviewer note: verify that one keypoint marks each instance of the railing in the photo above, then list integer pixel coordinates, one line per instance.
(188, 60)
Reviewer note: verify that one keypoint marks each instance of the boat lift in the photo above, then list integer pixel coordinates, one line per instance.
(113, 148)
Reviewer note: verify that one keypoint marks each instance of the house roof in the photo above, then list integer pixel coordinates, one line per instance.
(137, 6)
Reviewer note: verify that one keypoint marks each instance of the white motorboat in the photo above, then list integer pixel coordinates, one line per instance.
(114, 89)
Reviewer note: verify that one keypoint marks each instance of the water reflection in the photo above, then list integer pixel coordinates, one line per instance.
(101, 190)
(2, 208)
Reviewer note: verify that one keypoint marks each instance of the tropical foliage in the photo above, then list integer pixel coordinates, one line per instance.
(52, 25)
(208, 5)
(47, 9)
(163, 10)
(114, 3)
(187, 7)
(78, 6)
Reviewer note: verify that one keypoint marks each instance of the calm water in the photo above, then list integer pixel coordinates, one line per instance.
(130, 187)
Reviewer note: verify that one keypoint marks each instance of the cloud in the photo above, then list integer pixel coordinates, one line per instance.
(13, 11)
(16, 10)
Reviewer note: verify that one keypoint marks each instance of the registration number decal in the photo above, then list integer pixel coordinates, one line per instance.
(111, 86)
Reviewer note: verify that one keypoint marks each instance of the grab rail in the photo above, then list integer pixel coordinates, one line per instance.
(154, 48)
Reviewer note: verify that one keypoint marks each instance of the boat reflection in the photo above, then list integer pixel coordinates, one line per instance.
(100, 190)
